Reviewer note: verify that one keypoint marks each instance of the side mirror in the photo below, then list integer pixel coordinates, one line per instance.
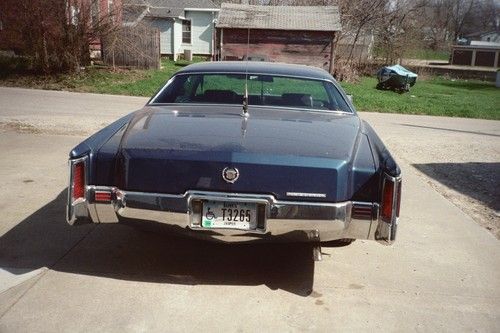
(349, 97)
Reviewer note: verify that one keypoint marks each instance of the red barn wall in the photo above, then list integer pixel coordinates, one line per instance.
(311, 48)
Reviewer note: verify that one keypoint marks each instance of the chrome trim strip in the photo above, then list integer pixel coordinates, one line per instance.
(317, 221)
(306, 195)
(274, 107)
(151, 101)
(313, 221)
(77, 209)
(386, 230)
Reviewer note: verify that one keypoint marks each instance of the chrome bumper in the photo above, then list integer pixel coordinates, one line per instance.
(287, 219)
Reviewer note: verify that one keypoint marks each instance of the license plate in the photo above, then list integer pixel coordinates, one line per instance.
(229, 215)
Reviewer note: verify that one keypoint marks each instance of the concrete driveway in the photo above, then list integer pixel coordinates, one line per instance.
(442, 274)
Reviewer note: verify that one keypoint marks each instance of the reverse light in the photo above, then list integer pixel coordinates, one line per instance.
(78, 180)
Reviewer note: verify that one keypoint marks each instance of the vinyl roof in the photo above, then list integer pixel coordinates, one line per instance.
(257, 67)
(311, 18)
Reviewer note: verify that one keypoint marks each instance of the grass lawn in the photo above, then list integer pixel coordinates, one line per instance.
(426, 54)
(102, 80)
(418, 53)
(436, 96)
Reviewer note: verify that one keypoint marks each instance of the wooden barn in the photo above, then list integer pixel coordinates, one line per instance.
(292, 34)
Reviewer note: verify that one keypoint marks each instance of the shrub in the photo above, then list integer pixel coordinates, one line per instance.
(12, 64)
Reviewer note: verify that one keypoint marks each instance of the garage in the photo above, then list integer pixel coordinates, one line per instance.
(292, 34)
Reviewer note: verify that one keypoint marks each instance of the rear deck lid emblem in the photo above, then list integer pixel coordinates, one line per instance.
(230, 175)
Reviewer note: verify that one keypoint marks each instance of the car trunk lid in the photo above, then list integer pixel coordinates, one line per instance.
(291, 154)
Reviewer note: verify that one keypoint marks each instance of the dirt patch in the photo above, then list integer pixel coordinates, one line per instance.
(473, 187)
(44, 128)
(459, 158)
(20, 127)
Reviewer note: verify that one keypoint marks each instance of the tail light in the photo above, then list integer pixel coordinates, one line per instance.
(362, 212)
(391, 199)
(78, 180)
(387, 199)
(102, 196)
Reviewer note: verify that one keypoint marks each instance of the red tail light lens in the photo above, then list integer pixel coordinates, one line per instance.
(387, 198)
(78, 180)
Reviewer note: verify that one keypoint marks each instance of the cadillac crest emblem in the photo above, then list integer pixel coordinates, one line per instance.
(230, 175)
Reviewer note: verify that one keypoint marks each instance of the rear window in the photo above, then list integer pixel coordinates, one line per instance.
(265, 90)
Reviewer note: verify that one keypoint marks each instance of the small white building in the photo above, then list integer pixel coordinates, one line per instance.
(491, 36)
(488, 36)
(183, 24)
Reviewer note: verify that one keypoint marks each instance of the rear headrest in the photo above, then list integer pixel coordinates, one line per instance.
(219, 96)
(294, 99)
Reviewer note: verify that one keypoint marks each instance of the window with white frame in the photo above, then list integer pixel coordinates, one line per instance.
(186, 31)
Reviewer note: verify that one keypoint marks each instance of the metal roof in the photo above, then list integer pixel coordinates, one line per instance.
(315, 18)
(163, 12)
(164, 8)
(173, 3)
(257, 67)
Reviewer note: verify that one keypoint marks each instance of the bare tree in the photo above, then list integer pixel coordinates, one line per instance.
(459, 10)
(55, 33)
(489, 11)
(436, 21)
(359, 16)
(447, 20)
(399, 30)
(137, 46)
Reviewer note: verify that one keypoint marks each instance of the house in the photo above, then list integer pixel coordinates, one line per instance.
(359, 48)
(292, 34)
(184, 25)
(491, 36)
(488, 36)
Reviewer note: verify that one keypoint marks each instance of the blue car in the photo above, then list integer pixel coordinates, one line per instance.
(241, 151)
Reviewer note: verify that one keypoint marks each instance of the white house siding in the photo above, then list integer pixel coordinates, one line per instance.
(202, 28)
(165, 28)
(201, 32)
(177, 37)
(493, 37)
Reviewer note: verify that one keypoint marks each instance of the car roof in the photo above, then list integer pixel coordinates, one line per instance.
(257, 67)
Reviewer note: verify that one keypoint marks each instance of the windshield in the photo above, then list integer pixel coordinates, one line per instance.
(266, 90)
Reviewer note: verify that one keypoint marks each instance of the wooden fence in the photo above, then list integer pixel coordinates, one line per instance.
(137, 47)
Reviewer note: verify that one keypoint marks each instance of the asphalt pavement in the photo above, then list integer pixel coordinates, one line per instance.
(442, 274)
